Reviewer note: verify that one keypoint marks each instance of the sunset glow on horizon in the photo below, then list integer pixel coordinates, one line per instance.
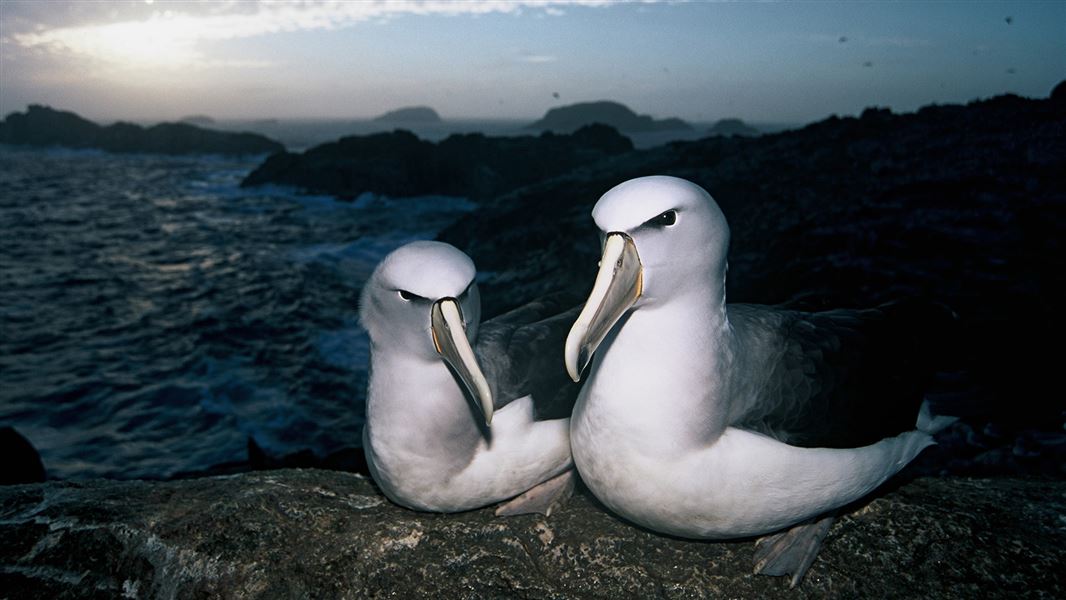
(499, 59)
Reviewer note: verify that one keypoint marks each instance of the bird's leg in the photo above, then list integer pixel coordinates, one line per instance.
(541, 498)
(791, 552)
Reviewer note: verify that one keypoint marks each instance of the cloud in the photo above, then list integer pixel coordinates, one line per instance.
(172, 37)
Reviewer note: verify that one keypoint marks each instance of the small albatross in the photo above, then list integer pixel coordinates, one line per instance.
(713, 421)
(441, 434)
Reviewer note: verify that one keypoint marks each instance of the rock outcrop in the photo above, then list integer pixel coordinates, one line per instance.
(411, 114)
(44, 126)
(22, 463)
(565, 119)
(471, 165)
(322, 534)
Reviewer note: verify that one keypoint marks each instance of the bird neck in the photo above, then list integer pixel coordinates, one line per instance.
(415, 405)
(660, 376)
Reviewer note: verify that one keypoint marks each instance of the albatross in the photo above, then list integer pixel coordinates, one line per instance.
(709, 420)
(463, 414)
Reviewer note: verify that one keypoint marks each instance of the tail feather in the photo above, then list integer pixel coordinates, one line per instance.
(908, 446)
(930, 423)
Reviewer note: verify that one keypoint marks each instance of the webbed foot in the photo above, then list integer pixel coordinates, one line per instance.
(541, 498)
(791, 552)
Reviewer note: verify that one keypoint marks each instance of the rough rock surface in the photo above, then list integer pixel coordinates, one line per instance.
(322, 534)
(470, 165)
(44, 126)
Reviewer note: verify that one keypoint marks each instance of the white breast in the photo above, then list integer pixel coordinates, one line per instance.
(741, 485)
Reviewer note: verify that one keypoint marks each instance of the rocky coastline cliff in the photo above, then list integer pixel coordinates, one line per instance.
(470, 165)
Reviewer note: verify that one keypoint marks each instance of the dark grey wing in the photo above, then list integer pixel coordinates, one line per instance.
(521, 353)
(842, 378)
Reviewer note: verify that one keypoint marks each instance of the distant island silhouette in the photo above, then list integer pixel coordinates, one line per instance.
(198, 120)
(45, 126)
(732, 127)
(566, 119)
(410, 114)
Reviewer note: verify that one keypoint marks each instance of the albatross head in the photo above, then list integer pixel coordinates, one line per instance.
(422, 301)
(664, 238)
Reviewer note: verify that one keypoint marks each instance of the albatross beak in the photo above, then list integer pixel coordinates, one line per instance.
(618, 285)
(449, 338)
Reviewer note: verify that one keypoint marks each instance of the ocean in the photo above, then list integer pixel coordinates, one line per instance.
(154, 315)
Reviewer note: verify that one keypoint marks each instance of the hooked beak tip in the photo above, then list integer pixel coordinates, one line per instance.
(575, 370)
(576, 377)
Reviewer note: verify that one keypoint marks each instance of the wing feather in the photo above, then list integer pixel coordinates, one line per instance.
(841, 378)
(521, 353)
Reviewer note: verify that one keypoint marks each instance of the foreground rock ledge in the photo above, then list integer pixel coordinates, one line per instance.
(323, 534)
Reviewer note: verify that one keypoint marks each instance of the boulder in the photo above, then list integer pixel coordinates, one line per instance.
(322, 534)
(22, 463)
(1058, 96)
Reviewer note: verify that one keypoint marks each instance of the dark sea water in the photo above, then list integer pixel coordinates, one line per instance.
(154, 316)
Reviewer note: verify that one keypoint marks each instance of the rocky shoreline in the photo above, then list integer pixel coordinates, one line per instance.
(323, 534)
(470, 165)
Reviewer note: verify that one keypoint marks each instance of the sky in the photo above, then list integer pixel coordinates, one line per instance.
(779, 62)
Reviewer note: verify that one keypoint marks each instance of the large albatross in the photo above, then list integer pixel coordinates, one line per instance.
(441, 433)
(712, 421)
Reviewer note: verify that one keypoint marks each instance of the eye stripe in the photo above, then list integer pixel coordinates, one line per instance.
(409, 296)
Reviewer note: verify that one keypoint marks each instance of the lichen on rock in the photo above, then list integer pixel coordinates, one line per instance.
(324, 534)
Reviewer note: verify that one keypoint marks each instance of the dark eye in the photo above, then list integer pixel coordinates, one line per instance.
(666, 219)
(407, 296)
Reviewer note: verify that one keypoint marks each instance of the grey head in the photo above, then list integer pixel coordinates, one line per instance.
(664, 238)
(422, 301)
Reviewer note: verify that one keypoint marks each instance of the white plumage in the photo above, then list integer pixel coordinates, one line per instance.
(694, 413)
(427, 437)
